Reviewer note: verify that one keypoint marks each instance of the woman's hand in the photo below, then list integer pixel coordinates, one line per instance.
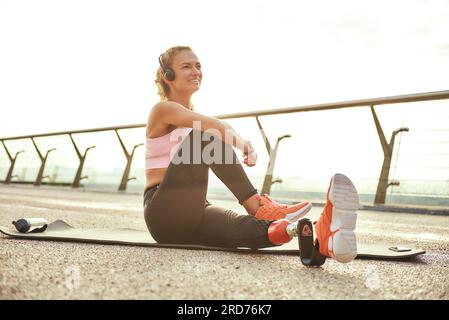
(250, 157)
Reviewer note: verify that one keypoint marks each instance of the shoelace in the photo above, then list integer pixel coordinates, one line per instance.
(274, 203)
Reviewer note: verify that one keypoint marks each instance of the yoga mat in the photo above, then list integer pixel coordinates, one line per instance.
(62, 231)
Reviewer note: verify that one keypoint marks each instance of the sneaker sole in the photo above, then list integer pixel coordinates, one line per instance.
(345, 200)
(300, 213)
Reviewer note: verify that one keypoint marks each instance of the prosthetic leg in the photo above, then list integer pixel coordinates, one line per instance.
(283, 231)
(309, 253)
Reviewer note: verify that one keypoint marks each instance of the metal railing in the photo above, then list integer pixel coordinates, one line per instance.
(387, 147)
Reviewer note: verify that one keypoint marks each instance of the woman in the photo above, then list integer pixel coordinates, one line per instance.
(181, 146)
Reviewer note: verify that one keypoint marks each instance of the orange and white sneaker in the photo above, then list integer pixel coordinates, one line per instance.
(335, 227)
(271, 210)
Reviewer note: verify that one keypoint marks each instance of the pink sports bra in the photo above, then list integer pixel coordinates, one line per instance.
(160, 151)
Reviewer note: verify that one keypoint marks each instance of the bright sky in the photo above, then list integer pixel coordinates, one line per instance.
(67, 65)
(79, 64)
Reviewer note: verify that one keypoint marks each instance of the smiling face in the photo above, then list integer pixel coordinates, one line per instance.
(188, 72)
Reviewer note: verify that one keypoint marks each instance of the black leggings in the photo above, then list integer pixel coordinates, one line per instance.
(176, 210)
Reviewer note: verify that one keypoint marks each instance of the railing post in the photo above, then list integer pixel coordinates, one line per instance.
(268, 181)
(82, 158)
(129, 160)
(387, 148)
(9, 176)
(43, 159)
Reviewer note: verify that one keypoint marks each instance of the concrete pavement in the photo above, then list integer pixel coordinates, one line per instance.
(62, 270)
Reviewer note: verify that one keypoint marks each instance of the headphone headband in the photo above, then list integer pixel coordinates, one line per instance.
(160, 62)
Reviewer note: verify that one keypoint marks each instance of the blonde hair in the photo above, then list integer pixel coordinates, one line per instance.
(167, 61)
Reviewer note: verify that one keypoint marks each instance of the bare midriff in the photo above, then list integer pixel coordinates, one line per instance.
(154, 176)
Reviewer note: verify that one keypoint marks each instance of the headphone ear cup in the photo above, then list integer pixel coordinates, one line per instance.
(169, 74)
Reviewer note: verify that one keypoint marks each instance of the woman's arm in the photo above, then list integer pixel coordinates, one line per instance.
(172, 113)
